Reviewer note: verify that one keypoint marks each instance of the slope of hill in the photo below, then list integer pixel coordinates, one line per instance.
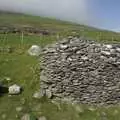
(61, 27)
(17, 67)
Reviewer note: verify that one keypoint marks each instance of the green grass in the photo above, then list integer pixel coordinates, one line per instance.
(23, 70)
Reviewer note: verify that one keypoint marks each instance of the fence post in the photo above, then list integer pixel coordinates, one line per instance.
(22, 38)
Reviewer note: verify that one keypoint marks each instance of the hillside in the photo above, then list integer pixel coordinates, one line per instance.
(17, 67)
(58, 26)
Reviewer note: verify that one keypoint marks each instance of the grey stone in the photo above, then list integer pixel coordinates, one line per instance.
(105, 53)
(48, 94)
(118, 49)
(39, 94)
(34, 50)
(108, 46)
(43, 77)
(14, 89)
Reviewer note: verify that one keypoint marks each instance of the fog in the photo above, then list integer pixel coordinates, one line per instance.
(69, 10)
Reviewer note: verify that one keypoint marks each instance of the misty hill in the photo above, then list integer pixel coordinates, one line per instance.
(18, 20)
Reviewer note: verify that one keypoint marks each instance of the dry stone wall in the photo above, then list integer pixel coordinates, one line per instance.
(82, 71)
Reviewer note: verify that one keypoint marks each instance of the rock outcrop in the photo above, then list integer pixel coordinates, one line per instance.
(82, 71)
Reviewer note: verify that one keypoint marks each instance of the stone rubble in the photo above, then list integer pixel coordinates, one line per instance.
(81, 71)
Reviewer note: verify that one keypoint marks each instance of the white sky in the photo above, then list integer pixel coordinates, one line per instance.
(71, 10)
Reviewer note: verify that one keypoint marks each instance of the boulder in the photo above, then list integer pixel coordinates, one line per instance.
(14, 89)
(34, 50)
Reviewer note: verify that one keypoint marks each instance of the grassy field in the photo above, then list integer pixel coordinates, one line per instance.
(23, 70)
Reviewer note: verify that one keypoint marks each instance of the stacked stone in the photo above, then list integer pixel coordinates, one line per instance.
(82, 71)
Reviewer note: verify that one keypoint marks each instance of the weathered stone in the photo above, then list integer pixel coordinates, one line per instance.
(105, 53)
(14, 89)
(79, 109)
(108, 46)
(84, 58)
(48, 93)
(39, 94)
(34, 50)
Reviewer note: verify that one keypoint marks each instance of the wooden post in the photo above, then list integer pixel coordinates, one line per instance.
(22, 38)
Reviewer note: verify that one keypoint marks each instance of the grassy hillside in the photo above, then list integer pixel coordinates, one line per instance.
(61, 27)
(22, 70)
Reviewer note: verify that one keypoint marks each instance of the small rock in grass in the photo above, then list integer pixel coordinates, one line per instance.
(115, 112)
(42, 118)
(4, 116)
(19, 109)
(39, 94)
(14, 89)
(34, 50)
(23, 101)
(8, 78)
(91, 109)
(79, 109)
(16, 116)
(28, 117)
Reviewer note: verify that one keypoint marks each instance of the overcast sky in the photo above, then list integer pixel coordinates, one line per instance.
(73, 10)
(100, 13)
